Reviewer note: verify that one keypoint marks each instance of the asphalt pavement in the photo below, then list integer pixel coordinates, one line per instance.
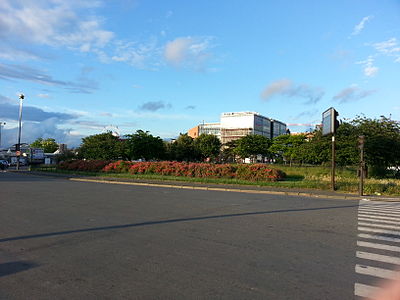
(63, 239)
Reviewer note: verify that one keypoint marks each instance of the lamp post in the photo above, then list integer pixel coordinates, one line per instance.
(18, 147)
(1, 125)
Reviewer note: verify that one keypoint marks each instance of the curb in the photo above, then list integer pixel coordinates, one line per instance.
(248, 191)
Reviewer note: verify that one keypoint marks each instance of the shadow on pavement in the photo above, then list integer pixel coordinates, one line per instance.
(15, 267)
(170, 221)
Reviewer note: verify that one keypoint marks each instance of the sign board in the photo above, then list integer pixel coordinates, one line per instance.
(329, 121)
(37, 153)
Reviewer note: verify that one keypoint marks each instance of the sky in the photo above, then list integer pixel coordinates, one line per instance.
(89, 66)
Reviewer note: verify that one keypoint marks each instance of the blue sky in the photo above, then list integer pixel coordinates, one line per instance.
(165, 66)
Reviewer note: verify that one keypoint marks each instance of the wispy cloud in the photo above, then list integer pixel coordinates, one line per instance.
(369, 69)
(360, 26)
(23, 72)
(287, 88)
(389, 48)
(154, 105)
(192, 52)
(352, 93)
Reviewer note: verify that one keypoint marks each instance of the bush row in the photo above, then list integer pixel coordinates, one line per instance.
(83, 165)
(255, 172)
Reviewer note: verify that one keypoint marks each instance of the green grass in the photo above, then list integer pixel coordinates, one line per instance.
(302, 177)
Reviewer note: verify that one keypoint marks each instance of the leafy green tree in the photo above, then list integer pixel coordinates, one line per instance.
(382, 142)
(228, 151)
(183, 149)
(208, 145)
(48, 145)
(143, 145)
(287, 147)
(252, 145)
(102, 146)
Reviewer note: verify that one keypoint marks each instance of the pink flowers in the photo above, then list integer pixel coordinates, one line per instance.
(256, 172)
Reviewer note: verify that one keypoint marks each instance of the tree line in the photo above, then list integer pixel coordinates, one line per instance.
(382, 146)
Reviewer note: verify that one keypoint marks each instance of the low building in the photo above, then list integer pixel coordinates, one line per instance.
(234, 125)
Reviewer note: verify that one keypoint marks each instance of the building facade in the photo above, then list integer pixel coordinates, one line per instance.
(234, 125)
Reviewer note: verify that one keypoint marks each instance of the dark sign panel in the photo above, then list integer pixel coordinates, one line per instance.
(329, 121)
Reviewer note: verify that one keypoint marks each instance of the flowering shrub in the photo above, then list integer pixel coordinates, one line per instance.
(83, 165)
(255, 172)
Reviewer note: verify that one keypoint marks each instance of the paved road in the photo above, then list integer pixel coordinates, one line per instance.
(61, 239)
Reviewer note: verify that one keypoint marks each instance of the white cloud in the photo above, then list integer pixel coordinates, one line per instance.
(369, 69)
(287, 88)
(188, 52)
(389, 48)
(52, 23)
(360, 26)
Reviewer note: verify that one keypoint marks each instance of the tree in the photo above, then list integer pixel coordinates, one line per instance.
(382, 142)
(143, 145)
(287, 147)
(48, 145)
(252, 145)
(228, 151)
(183, 149)
(208, 145)
(102, 146)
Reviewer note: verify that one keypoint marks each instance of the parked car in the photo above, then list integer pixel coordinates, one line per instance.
(3, 164)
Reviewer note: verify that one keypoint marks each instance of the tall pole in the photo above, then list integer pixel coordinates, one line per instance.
(1, 125)
(361, 141)
(18, 150)
(333, 164)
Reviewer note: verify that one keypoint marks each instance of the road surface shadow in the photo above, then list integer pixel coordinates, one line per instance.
(169, 221)
(15, 267)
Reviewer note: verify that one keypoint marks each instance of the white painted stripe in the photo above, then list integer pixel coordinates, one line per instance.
(393, 208)
(363, 290)
(379, 225)
(379, 221)
(379, 214)
(374, 204)
(376, 272)
(378, 257)
(378, 246)
(368, 229)
(378, 237)
(379, 217)
(393, 211)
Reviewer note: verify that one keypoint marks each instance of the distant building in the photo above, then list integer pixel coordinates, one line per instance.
(234, 125)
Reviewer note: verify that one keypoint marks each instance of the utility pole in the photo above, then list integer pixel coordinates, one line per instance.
(361, 142)
(333, 169)
(1, 125)
(18, 146)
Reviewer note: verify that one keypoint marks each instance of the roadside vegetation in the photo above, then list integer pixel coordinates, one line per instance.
(292, 161)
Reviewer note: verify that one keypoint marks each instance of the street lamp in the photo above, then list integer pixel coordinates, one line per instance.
(18, 147)
(1, 125)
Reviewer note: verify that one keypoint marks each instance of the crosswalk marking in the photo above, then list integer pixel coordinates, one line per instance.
(378, 231)
(378, 221)
(378, 217)
(382, 214)
(378, 237)
(363, 290)
(376, 272)
(378, 257)
(368, 229)
(379, 225)
(378, 246)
